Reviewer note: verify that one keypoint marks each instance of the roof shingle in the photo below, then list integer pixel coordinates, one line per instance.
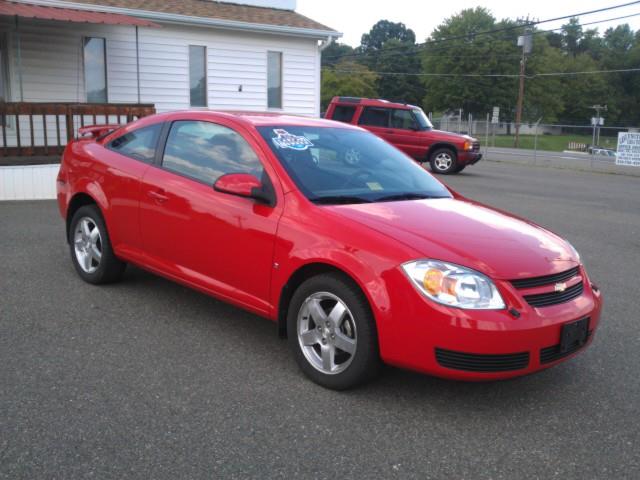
(217, 10)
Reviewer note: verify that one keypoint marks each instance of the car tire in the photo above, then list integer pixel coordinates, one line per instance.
(444, 161)
(332, 332)
(90, 247)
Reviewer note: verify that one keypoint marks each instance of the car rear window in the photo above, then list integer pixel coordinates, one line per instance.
(375, 117)
(139, 144)
(343, 113)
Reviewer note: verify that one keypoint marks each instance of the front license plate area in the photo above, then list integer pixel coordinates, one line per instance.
(574, 335)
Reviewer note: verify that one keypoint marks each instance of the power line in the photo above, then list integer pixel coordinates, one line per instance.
(490, 32)
(495, 75)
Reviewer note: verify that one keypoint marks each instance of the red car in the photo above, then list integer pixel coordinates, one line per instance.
(408, 129)
(356, 264)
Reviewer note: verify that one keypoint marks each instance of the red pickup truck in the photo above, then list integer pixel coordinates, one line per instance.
(408, 128)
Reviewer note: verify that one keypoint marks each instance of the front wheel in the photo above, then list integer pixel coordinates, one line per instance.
(332, 332)
(444, 161)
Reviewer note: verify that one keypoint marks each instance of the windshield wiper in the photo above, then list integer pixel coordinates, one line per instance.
(339, 199)
(407, 196)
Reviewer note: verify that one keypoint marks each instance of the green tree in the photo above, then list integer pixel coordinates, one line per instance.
(349, 79)
(471, 55)
(403, 87)
(382, 32)
(335, 52)
(579, 92)
(389, 48)
(571, 36)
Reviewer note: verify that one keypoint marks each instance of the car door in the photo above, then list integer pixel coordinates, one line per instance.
(215, 241)
(376, 120)
(126, 158)
(405, 135)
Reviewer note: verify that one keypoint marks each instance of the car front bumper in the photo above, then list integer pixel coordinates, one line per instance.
(469, 158)
(478, 345)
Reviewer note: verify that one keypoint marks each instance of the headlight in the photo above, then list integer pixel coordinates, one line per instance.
(468, 145)
(454, 285)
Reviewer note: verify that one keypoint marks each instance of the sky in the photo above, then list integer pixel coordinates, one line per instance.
(355, 17)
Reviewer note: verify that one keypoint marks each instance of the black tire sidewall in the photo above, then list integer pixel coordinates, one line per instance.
(454, 164)
(366, 362)
(110, 268)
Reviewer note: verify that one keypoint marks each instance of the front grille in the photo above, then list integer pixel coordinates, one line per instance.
(475, 147)
(473, 362)
(553, 298)
(546, 280)
(553, 353)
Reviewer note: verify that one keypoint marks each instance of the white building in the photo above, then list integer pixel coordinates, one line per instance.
(56, 56)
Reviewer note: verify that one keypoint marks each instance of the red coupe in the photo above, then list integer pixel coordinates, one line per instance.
(357, 264)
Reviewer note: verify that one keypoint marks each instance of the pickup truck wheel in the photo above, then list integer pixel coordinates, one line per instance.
(91, 251)
(444, 161)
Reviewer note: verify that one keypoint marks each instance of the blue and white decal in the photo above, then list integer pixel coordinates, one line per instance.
(285, 139)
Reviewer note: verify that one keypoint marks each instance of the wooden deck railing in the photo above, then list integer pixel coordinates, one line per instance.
(43, 129)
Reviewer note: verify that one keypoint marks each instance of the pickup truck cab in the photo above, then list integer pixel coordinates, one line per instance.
(408, 129)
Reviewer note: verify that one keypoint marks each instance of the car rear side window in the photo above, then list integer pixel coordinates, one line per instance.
(343, 113)
(139, 144)
(403, 119)
(205, 151)
(375, 117)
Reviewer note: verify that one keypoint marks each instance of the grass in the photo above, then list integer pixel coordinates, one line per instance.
(553, 143)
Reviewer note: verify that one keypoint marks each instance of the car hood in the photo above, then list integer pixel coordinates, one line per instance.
(468, 234)
(441, 134)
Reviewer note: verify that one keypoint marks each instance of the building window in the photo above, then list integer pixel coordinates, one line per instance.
(198, 75)
(274, 79)
(95, 69)
(4, 73)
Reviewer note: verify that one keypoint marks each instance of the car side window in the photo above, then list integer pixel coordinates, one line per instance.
(403, 119)
(139, 144)
(205, 151)
(375, 117)
(344, 113)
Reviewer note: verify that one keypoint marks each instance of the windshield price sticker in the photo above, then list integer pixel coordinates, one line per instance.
(628, 149)
(288, 140)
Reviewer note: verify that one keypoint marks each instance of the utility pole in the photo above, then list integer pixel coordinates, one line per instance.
(526, 42)
(596, 122)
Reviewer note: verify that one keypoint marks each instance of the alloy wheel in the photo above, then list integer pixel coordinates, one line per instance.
(443, 161)
(87, 243)
(326, 333)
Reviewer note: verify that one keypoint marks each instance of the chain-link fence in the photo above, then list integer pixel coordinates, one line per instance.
(583, 145)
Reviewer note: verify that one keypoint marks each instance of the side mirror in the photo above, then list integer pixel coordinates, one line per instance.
(244, 185)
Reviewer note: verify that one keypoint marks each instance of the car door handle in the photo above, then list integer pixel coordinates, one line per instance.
(158, 195)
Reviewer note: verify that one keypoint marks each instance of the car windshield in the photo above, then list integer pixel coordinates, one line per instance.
(342, 166)
(422, 119)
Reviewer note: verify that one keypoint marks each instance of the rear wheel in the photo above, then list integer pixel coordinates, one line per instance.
(91, 251)
(444, 161)
(332, 332)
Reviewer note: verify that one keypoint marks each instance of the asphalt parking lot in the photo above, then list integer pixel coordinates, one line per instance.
(147, 379)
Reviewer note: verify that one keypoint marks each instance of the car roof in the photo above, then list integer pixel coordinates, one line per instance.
(371, 102)
(255, 119)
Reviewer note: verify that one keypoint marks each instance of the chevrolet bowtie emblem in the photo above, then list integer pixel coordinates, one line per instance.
(560, 287)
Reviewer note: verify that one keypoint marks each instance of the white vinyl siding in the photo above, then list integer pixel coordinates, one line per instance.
(236, 63)
(51, 66)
